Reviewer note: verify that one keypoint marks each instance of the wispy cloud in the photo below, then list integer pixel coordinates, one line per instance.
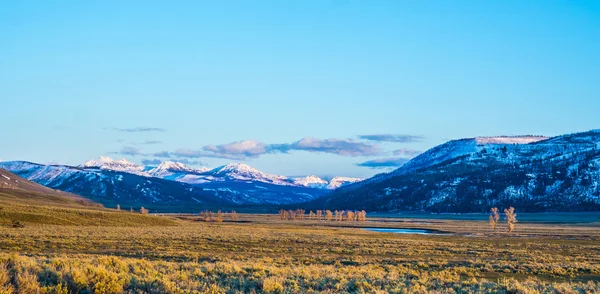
(156, 161)
(162, 154)
(191, 162)
(246, 148)
(129, 151)
(392, 162)
(148, 142)
(136, 130)
(406, 152)
(343, 147)
(151, 161)
(391, 138)
(192, 153)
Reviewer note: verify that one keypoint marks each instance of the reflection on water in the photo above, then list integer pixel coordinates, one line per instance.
(403, 231)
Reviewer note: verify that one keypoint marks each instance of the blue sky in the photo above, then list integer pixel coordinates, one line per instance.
(290, 87)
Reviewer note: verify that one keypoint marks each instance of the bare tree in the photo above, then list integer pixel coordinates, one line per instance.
(494, 218)
(144, 211)
(363, 216)
(328, 215)
(319, 214)
(350, 216)
(219, 216)
(511, 218)
(311, 215)
(291, 215)
(206, 216)
(234, 215)
(118, 207)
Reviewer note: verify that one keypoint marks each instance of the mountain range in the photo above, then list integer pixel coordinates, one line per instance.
(531, 173)
(173, 186)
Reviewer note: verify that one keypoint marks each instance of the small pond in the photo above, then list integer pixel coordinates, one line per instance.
(404, 231)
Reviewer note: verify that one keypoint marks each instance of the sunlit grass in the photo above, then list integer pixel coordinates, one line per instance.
(93, 250)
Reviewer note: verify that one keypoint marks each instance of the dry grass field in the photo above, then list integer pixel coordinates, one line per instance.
(58, 244)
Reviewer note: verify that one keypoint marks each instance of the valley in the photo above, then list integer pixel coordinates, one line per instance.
(531, 173)
(259, 253)
(53, 242)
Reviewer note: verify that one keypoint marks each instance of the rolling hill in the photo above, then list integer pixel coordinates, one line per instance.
(23, 202)
(531, 173)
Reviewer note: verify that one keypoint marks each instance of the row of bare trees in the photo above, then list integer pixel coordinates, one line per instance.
(142, 209)
(510, 217)
(327, 215)
(209, 216)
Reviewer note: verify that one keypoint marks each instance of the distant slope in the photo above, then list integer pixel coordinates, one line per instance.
(24, 203)
(472, 175)
(17, 185)
(112, 187)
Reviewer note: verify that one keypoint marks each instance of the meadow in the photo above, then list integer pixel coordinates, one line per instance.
(81, 249)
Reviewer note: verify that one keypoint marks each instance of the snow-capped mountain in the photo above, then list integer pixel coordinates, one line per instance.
(111, 187)
(471, 175)
(239, 173)
(462, 147)
(173, 184)
(169, 168)
(167, 187)
(337, 182)
(107, 163)
(244, 172)
(311, 181)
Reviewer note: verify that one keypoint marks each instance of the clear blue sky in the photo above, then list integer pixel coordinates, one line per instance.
(80, 79)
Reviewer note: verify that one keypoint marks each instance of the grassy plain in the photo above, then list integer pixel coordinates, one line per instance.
(81, 249)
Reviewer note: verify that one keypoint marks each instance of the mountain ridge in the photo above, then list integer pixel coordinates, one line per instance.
(177, 171)
(560, 173)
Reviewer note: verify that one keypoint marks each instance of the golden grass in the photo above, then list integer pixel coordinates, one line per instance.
(77, 249)
(294, 257)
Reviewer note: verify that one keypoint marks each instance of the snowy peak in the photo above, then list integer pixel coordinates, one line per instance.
(311, 181)
(170, 167)
(236, 168)
(462, 147)
(506, 140)
(173, 166)
(107, 163)
(244, 172)
(337, 182)
(233, 172)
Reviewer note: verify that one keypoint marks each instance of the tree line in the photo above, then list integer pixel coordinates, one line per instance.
(327, 215)
(209, 216)
(206, 215)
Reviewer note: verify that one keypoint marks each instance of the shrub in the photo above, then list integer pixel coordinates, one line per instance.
(17, 224)
(273, 285)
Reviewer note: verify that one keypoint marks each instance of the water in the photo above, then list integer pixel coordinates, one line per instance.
(403, 231)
